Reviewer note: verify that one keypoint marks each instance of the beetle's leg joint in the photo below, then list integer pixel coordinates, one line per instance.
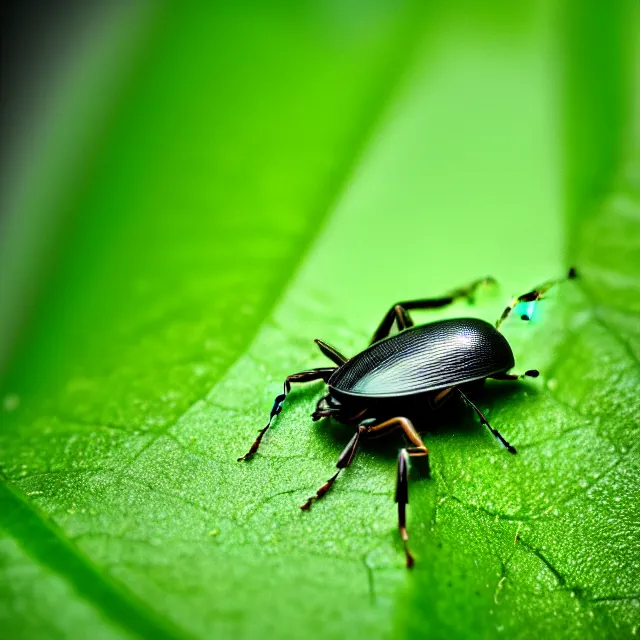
(402, 499)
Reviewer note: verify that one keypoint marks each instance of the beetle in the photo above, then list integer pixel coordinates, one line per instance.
(416, 369)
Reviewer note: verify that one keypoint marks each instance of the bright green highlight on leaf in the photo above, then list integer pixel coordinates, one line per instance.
(270, 175)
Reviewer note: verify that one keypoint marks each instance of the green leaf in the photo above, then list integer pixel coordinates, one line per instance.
(247, 198)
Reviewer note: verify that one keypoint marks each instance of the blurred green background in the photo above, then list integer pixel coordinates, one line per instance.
(195, 193)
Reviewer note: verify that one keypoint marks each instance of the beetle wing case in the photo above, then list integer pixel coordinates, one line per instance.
(425, 358)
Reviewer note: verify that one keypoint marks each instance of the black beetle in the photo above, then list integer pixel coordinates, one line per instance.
(419, 367)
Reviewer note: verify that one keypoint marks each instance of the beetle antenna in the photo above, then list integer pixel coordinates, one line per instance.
(322, 373)
(275, 410)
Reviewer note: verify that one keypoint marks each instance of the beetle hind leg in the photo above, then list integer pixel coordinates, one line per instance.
(532, 296)
(399, 313)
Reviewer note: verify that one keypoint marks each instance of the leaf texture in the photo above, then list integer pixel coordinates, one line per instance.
(294, 188)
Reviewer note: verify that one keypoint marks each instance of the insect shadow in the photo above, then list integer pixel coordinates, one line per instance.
(453, 418)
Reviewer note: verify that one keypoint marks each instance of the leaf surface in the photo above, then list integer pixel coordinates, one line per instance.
(268, 207)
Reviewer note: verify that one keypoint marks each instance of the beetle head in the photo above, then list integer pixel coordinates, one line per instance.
(325, 407)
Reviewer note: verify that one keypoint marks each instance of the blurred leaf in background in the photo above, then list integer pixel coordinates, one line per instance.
(210, 189)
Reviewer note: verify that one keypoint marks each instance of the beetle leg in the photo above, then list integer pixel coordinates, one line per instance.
(530, 373)
(323, 373)
(331, 352)
(402, 317)
(399, 312)
(402, 499)
(441, 396)
(485, 422)
(533, 295)
(402, 483)
(345, 459)
(417, 451)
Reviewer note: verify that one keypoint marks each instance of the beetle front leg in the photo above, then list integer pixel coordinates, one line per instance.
(323, 373)
(485, 422)
(345, 459)
(399, 312)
